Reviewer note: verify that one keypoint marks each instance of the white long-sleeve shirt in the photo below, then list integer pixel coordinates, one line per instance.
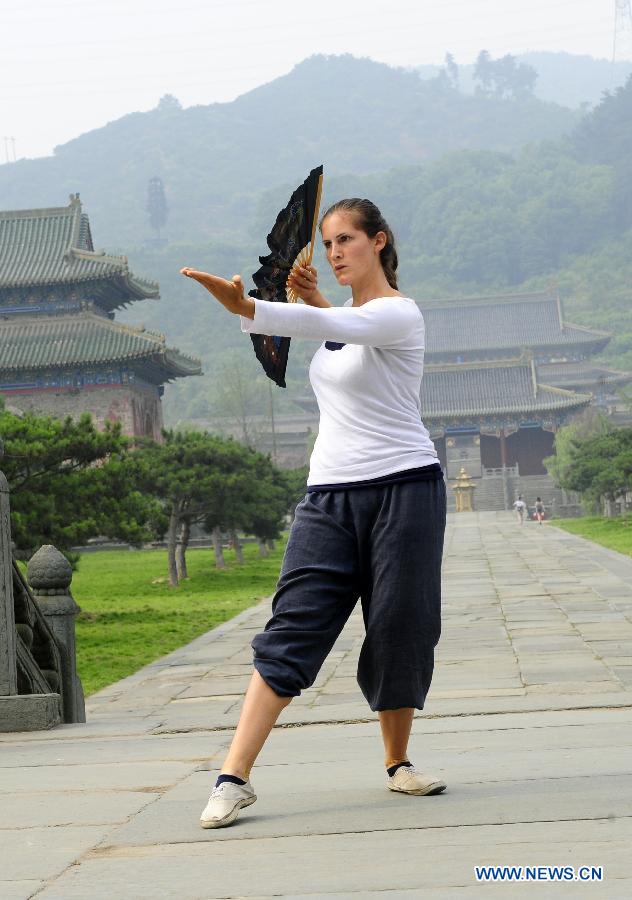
(368, 392)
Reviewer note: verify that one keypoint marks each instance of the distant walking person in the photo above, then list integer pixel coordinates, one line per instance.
(371, 524)
(539, 510)
(520, 508)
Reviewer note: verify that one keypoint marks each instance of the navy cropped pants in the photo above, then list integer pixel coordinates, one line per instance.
(382, 544)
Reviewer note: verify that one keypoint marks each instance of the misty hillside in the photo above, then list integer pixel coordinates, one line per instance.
(470, 222)
(563, 78)
(483, 195)
(354, 115)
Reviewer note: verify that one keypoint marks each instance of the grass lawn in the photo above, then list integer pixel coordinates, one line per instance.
(613, 533)
(130, 616)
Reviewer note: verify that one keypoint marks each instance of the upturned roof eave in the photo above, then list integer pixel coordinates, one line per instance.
(563, 404)
(486, 299)
(596, 339)
(153, 350)
(181, 364)
(172, 363)
(74, 258)
(476, 415)
(139, 288)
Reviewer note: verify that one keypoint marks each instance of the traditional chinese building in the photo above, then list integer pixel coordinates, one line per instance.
(502, 374)
(61, 352)
(520, 404)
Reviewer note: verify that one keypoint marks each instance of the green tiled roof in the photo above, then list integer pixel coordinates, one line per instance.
(508, 387)
(507, 321)
(54, 246)
(53, 342)
(584, 374)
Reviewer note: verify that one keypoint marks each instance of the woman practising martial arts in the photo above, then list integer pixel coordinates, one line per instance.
(371, 524)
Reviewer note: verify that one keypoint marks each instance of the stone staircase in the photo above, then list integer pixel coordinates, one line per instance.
(498, 489)
(494, 491)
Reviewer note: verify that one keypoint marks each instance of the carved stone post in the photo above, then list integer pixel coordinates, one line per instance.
(8, 667)
(28, 701)
(49, 574)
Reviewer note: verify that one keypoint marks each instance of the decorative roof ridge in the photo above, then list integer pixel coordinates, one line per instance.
(513, 362)
(124, 327)
(490, 299)
(534, 377)
(98, 256)
(39, 213)
(75, 206)
(586, 363)
(74, 251)
(564, 392)
(587, 330)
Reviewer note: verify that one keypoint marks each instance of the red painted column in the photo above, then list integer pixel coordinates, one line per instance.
(503, 450)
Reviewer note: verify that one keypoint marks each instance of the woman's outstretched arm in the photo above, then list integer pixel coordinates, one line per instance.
(230, 294)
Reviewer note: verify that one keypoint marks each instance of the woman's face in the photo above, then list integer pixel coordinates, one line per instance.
(351, 253)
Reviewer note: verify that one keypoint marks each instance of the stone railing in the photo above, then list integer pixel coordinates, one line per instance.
(39, 687)
(511, 471)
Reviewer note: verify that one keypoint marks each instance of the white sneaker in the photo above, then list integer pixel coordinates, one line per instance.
(225, 802)
(409, 780)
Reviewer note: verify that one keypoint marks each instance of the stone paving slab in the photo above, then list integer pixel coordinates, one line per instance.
(19, 890)
(44, 853)
(312, 807)
(148, 748)
(216, 869)
(122, 776)
(529, 720)
(54, 808)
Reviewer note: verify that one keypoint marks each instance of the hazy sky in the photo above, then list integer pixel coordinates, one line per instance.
(68, 66)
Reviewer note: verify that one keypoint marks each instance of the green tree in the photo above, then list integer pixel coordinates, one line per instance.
(251, 495)
(591, 424)
(603, 466)
(180, 473)
(203, 478)
(270, 496)
(504, 78)
(593, 458)
(605, 137)
(70, 482)
(451, 70)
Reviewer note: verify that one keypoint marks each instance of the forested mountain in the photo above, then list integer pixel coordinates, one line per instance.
(470, 222)
(354, 115)
(483, 195)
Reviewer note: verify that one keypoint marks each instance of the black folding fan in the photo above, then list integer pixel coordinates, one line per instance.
(291, 244)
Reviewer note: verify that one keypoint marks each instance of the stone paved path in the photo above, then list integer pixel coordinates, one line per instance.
(529, 720)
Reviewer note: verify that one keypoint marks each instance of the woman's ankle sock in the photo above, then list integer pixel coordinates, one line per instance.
(392, 769)
(232, 778)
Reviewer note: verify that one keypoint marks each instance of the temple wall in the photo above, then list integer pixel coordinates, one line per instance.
(139, 410)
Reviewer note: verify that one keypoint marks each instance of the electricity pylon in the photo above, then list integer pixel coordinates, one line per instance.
(622, 38)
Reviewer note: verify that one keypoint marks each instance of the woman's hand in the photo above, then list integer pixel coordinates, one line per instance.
(229, 293)
(304, 281)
